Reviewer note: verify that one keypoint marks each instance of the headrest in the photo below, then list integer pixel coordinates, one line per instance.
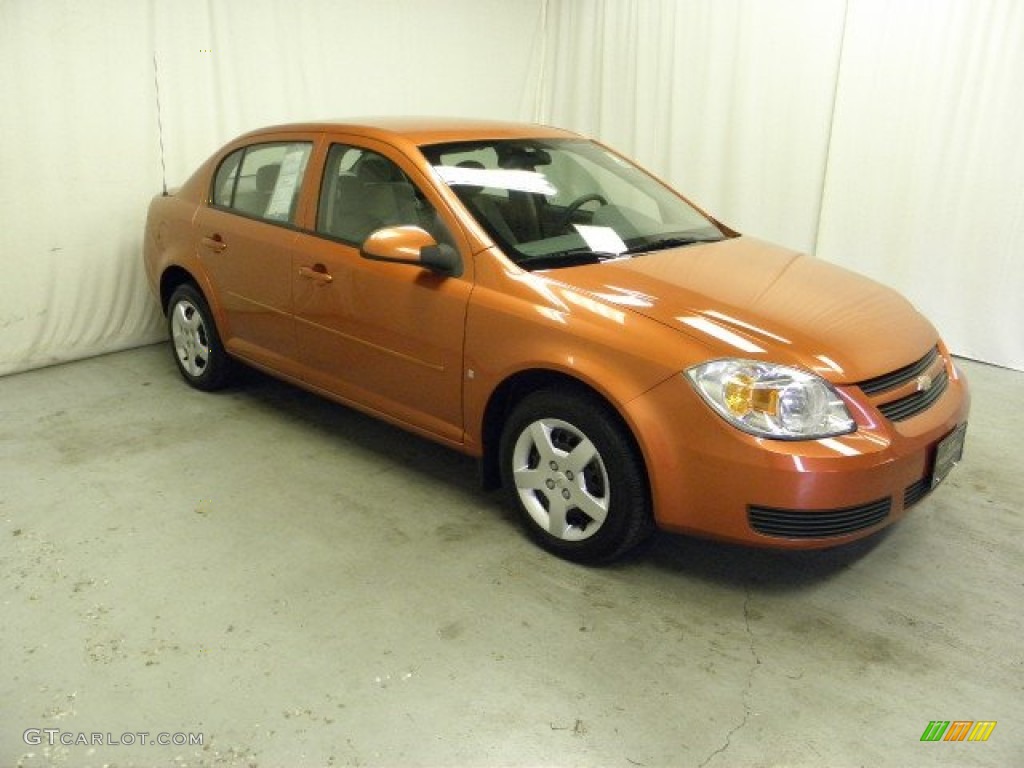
(266, 177)
(475, 165)
(373, 168)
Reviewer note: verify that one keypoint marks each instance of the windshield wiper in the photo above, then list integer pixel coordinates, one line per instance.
(572, 257)
(671, 242)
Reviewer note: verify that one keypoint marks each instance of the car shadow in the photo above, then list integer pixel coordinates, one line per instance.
(735, 564)
(676, 554)
(359, 433)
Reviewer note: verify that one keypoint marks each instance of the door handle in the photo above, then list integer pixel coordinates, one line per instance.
(214, 242)
(317, 272)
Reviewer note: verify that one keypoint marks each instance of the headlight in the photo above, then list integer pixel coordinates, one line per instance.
(771, 400)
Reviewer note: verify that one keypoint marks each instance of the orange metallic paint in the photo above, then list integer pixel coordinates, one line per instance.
(428, 352)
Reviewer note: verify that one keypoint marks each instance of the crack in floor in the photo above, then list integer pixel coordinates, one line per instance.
(746, 692)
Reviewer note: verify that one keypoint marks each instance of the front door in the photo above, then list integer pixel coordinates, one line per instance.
(386, 337)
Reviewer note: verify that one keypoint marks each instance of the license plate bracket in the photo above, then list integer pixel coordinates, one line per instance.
(948, 453)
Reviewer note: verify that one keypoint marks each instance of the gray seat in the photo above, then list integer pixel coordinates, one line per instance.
(390, 197)
(392, 202)
(351, 218)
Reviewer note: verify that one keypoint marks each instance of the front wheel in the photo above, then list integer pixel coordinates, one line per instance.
(198, 351)
(575, 476)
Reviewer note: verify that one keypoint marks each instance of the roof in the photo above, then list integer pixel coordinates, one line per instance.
(424, 130)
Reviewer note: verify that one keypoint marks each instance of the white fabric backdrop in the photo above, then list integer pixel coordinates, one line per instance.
(77, 163)
(881, 134)
(925, 182)
(729, 100)
(79, 146)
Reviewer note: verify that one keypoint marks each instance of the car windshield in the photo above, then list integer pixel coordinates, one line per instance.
(564, 202)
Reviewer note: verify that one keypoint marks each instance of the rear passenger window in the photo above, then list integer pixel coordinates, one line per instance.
(263, 180)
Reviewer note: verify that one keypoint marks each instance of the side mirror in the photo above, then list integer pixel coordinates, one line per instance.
(413, 246)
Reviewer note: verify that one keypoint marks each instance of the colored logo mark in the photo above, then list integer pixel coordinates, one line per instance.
(958, 730)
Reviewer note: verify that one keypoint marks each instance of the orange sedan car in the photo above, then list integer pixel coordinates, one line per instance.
(614, 356)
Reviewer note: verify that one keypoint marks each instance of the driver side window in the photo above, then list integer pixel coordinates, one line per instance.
(363, 191)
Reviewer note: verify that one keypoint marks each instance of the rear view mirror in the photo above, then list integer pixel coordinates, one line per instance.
(413, 246)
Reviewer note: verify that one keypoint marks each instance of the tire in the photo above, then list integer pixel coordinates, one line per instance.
(195, 343)
(575, 476)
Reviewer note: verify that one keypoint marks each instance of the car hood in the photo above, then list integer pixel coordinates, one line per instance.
(746, 298)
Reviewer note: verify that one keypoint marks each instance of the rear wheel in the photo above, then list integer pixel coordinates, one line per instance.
(575, 476)
(198, 351)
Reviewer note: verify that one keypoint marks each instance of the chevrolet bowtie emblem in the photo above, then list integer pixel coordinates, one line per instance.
(924, 383)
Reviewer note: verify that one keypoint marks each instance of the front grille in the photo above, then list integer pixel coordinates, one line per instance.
(914, 403)
(911, 405)
(818, 524)
(898, 378)
(914, 493)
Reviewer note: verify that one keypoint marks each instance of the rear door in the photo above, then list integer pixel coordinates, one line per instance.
(387, 337)
(247, 242)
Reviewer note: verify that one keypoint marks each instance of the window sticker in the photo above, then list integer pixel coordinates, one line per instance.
(601, 239)
(294, 163)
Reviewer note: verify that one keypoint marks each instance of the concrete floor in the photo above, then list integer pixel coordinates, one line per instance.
(304, 586)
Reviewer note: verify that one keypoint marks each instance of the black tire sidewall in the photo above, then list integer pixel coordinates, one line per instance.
(629, 510)
(216, 373)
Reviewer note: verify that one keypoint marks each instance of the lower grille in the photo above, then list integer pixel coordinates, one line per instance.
(914, 493)
(818, 524)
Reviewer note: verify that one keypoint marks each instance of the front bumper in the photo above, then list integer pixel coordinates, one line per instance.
(710, 479)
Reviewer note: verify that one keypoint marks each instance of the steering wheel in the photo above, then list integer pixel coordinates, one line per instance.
(575, 205)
